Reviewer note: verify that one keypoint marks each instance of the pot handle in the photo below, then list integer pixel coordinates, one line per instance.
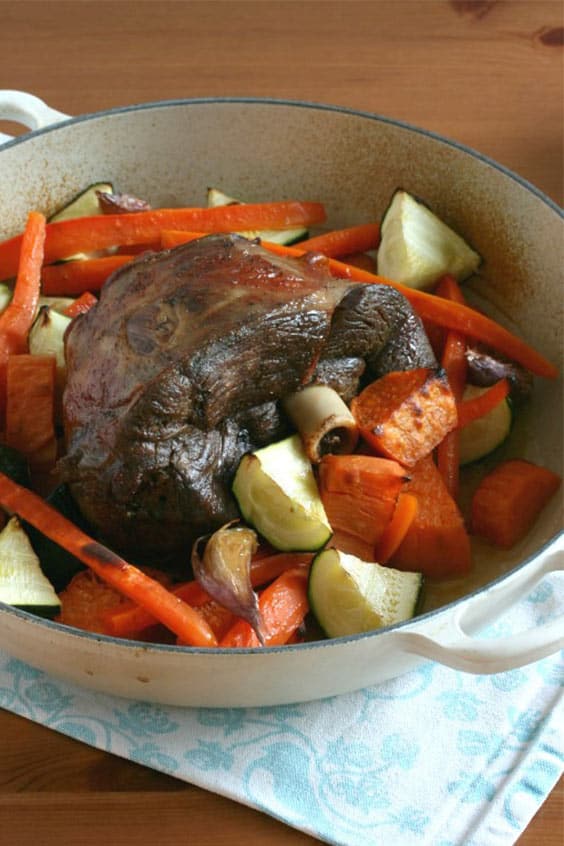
(454, 647)
(25, 108)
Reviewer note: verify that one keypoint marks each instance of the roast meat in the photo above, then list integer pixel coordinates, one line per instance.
(179, 369)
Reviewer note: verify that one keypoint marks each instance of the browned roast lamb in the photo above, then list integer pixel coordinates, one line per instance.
(178, 370)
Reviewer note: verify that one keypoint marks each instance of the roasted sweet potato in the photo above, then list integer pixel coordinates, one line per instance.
(436, 543)
(405, 414)
(508, 500)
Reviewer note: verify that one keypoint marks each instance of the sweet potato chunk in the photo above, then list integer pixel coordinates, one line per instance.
(436, 543)
(405, 414)
(509, 499)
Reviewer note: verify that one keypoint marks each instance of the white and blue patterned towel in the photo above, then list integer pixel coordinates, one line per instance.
(435, 758)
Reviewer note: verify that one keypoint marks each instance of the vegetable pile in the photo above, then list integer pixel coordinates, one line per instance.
(341, 522)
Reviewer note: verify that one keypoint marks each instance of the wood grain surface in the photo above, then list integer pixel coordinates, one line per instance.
(485, 73)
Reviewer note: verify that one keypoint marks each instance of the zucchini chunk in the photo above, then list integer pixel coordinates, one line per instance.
(275, 236)
(22, 582)
(46, 337)
(349, 596)
(277, 494)
(417, 248)
(482, 436)
(5, 296)
(85, 204)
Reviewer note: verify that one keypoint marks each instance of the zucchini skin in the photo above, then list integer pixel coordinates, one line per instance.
(324, 573)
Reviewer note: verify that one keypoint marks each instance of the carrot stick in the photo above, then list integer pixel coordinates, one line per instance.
(218, 618)
(66, 237)
(361, 260)
(127, 579)
(455, 367)
(436, 542)
(508, 500)
(80, 306)
(73, 278)
(472, 409)
(340, 242)
(454, 353)
(30, 407)
(131, 619)
(448, 461)
(446, 313)
(85, 600)
(359, 493)
(405, 414)
(19, 314)
(394, 533)
(283, 606)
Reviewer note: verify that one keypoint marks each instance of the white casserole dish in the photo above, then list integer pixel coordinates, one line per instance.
(170, 153)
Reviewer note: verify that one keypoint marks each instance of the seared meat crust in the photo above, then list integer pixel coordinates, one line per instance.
(178, 370)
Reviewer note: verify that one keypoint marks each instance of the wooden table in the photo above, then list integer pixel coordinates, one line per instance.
(486, 73)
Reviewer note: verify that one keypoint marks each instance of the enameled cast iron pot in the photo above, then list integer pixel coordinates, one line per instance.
(169, 153)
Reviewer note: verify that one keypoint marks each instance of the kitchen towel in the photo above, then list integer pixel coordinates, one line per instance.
(434, 758)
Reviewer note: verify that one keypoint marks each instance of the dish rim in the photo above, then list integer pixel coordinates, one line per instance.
(323, 107)
(303, 104)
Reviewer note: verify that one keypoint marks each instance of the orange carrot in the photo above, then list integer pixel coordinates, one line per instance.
(85, 600)
(81, 305)
(268, 567)
(472, 409)
(130, 619)
(283, 606)
(339, 242)
(359, 493)
(447, 286)
(171, 238)
(436, 543)
(361, 260)
(73, 278)
(396, 530)
(405, 414)
(508, 500)
(454, 353)
(66, 237)
(127, 579)
(218, 618)
(448, 461)
(454, 365)
(19, 314)
(30, 407)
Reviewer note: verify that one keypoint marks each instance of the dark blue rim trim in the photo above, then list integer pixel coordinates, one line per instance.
(302, 104)
(320, 107)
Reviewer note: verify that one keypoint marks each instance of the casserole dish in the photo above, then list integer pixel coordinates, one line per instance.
(169, 153)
